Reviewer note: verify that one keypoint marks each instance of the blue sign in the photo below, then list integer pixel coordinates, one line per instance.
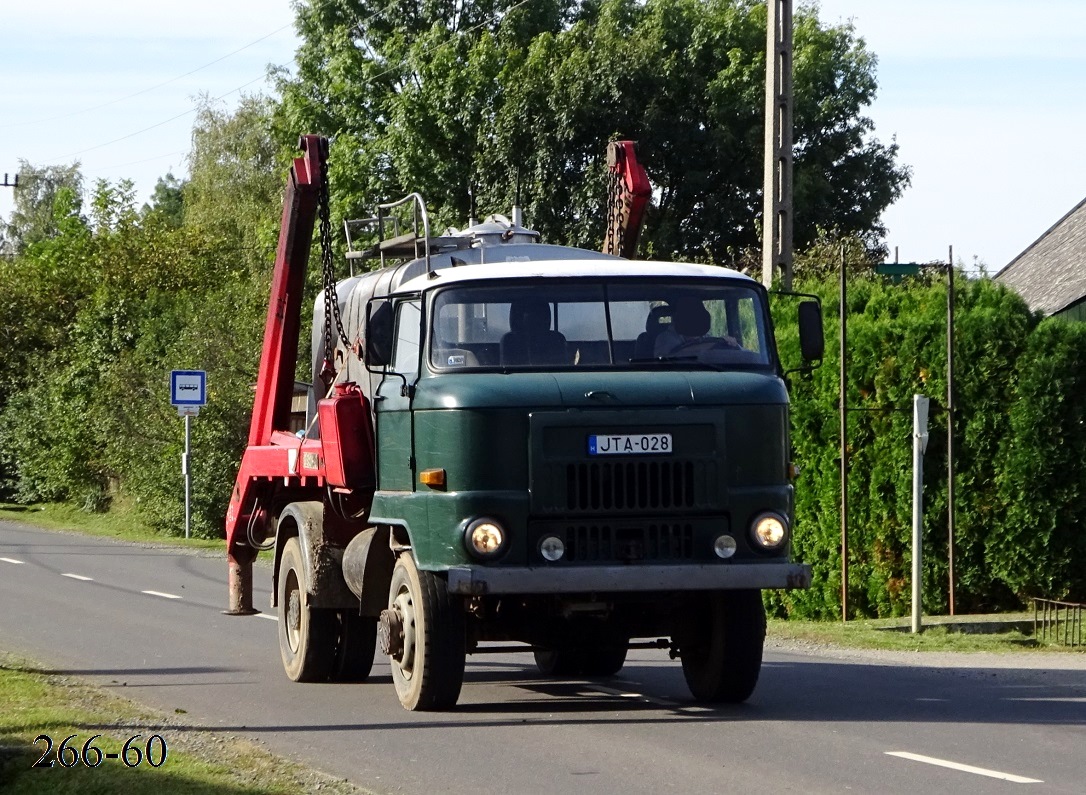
(188, 387)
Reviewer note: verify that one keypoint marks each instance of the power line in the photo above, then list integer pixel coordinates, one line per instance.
(153, 126)
(191, 111)
(145, 90)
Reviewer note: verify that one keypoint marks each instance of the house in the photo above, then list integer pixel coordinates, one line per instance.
(1051, 274)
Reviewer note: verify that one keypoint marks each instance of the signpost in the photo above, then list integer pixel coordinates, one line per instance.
(188, 391)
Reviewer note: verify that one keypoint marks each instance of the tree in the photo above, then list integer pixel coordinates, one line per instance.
(460, 100)
(167, 201)
(42, 191)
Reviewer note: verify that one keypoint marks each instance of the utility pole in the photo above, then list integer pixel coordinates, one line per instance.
(777, 190)
(13, 184)
(950, 420)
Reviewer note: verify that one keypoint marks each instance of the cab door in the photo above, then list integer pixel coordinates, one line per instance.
(395, 433)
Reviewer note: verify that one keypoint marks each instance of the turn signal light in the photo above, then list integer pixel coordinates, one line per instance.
(434, 478)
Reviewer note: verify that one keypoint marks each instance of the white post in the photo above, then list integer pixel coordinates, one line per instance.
(920, 443)
(186, 470)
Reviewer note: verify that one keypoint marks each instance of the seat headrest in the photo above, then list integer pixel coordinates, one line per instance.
(659, 316)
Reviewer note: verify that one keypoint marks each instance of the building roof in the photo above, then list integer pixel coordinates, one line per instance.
(1051, 273)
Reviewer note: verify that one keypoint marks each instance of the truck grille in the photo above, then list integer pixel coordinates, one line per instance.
(595, 543)
(629, 485)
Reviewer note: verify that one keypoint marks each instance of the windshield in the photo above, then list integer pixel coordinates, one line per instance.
(583, 323)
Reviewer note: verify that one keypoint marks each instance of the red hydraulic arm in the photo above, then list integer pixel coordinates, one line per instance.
(630, 191)
(273, 452)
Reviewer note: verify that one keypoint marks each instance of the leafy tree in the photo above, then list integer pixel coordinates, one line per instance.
(44, 193)
(167, 201)
(458, 100)
(236, 178)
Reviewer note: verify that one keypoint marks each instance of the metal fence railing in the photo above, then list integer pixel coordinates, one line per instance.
(1060, 621)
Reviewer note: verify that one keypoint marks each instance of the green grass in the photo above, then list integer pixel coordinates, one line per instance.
(34, 702)
(121, 521)
(894, 635)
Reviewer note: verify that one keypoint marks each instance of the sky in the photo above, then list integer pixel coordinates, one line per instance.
(984, 98)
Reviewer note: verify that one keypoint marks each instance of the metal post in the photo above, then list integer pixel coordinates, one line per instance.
(186, 470)
(844, 451)
(777, 185)
(920, 431)
(950, 421)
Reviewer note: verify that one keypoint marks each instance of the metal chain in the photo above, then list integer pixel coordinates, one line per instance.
(616, 204)
(328, 275)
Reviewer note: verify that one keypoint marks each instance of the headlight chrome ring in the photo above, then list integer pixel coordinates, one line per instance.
(485, 538)
(769, 531)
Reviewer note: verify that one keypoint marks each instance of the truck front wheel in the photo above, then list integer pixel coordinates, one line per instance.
(721, 645)
(423, 633)
(307, 636)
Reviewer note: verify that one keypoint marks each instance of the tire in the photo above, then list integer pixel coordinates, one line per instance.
(594, 661)
(430, 671)
(307, 636)
(721, 648)
(355, 646)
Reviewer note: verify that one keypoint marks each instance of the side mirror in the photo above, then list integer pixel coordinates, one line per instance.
(812, 343)
(379, 333)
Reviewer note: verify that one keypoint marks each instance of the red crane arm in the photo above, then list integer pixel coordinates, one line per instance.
(630, 191)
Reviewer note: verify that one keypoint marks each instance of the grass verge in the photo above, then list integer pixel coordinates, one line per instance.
(887, 634)
(36, 702)
(121, 522)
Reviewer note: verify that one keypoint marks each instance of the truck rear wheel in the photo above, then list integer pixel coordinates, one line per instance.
(355, 646)
(721, 647)
(307, 636)
(592, 661)
(423, 633)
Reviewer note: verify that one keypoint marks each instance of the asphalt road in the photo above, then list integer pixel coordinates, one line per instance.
(147, 621)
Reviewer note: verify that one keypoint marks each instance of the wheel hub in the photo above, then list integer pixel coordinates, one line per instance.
(390, 633)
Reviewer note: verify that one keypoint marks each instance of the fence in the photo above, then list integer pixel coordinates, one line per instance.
(1062, 621)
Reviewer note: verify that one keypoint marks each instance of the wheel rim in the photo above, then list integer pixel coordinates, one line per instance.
(405, 606)
(294, 612)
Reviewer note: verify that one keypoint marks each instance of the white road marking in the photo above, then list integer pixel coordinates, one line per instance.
(163, 595)
(980, 771)
(12, 560)
(268, 616)
(78, 577)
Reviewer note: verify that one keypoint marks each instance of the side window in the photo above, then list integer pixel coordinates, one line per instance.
(405, 353)
(750, 336)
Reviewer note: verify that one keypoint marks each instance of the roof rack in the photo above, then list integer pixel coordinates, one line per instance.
(414, 244)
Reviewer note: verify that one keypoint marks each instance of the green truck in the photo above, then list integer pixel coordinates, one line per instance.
(558, 450)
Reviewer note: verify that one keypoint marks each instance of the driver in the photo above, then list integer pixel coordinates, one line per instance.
(690, 322)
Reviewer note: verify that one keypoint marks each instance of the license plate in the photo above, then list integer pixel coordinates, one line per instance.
(630, 444)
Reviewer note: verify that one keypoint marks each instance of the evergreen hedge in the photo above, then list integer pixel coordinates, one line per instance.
(1020, 480)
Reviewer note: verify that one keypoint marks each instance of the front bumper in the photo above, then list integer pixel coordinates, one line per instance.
(478, 581)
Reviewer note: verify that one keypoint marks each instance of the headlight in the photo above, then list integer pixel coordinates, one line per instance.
(552, 548)
(485, 538)
(769, 530)
(724, 546)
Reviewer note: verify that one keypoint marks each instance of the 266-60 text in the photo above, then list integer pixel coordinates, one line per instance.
(131, 753)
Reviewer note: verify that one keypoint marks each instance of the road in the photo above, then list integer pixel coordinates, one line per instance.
(147, 621)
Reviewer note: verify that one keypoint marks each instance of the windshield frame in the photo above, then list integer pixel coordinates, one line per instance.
(437, 360)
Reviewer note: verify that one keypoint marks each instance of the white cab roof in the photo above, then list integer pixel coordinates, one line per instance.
(568, 269)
